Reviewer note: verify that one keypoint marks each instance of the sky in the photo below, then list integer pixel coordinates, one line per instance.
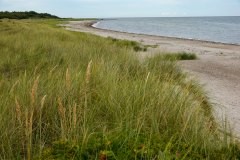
(126, 8)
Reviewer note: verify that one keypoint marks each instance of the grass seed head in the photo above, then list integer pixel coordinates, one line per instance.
(34, 90)
(88, 73)
(43, 101)
(61, 109)
(68, 79)
(18, 110)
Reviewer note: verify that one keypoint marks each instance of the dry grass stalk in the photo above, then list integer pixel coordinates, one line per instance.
(30, 134)
(68, 79)
(146, 80)
(62, 113)
(28, 131)
(34, 90)
(18, 110)
(53, 69)
(88, 73)
(43, 101)
(14, 85)
(61, 109)
(27, 134)
(74, 115)
(26, 123)
(30, 122)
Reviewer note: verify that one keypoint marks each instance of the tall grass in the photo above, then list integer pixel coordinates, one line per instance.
(69, 95)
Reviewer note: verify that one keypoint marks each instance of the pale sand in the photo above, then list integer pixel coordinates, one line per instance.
(217, 67)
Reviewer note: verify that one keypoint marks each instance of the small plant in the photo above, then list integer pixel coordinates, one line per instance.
(186, 56)
(61, 150)
(151, 46)
(137, 47)
(179, 56)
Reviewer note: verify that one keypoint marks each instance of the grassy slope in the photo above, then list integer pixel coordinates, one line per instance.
(75, 95)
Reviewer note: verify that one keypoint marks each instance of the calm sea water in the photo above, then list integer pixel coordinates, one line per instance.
(217, 29)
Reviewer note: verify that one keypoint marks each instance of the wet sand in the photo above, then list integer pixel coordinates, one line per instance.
(217, 67)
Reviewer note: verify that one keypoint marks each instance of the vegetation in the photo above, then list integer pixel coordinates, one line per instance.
(25, 15)
(186, 56)
(69, 95)
(180, 56)
(132, 44)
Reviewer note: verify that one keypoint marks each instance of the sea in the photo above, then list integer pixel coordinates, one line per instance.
(215, 29)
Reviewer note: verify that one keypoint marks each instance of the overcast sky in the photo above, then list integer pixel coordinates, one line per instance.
(126, 8)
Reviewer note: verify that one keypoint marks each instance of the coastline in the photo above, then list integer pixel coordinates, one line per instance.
(93, 23)
(166, 43)
(217, 66)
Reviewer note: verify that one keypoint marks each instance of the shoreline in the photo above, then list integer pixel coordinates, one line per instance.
(164, 42)
(180, 38)
(217, 67)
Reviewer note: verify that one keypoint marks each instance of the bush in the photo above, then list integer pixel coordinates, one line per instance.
(187, 56)
(25, 15)
(179, 56)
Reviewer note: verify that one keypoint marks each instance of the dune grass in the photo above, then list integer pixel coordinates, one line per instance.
(136, 46)
(180, 56)
(69, 95)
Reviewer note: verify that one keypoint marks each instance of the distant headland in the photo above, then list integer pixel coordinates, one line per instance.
(25, 15)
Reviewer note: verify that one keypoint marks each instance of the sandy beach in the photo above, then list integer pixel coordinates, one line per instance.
(217, 66)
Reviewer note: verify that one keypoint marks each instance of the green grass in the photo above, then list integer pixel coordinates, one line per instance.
(69, 95)
(180, 56)
(187, 56)
(136, 46)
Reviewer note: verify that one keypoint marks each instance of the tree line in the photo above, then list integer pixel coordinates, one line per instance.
(25, 15)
